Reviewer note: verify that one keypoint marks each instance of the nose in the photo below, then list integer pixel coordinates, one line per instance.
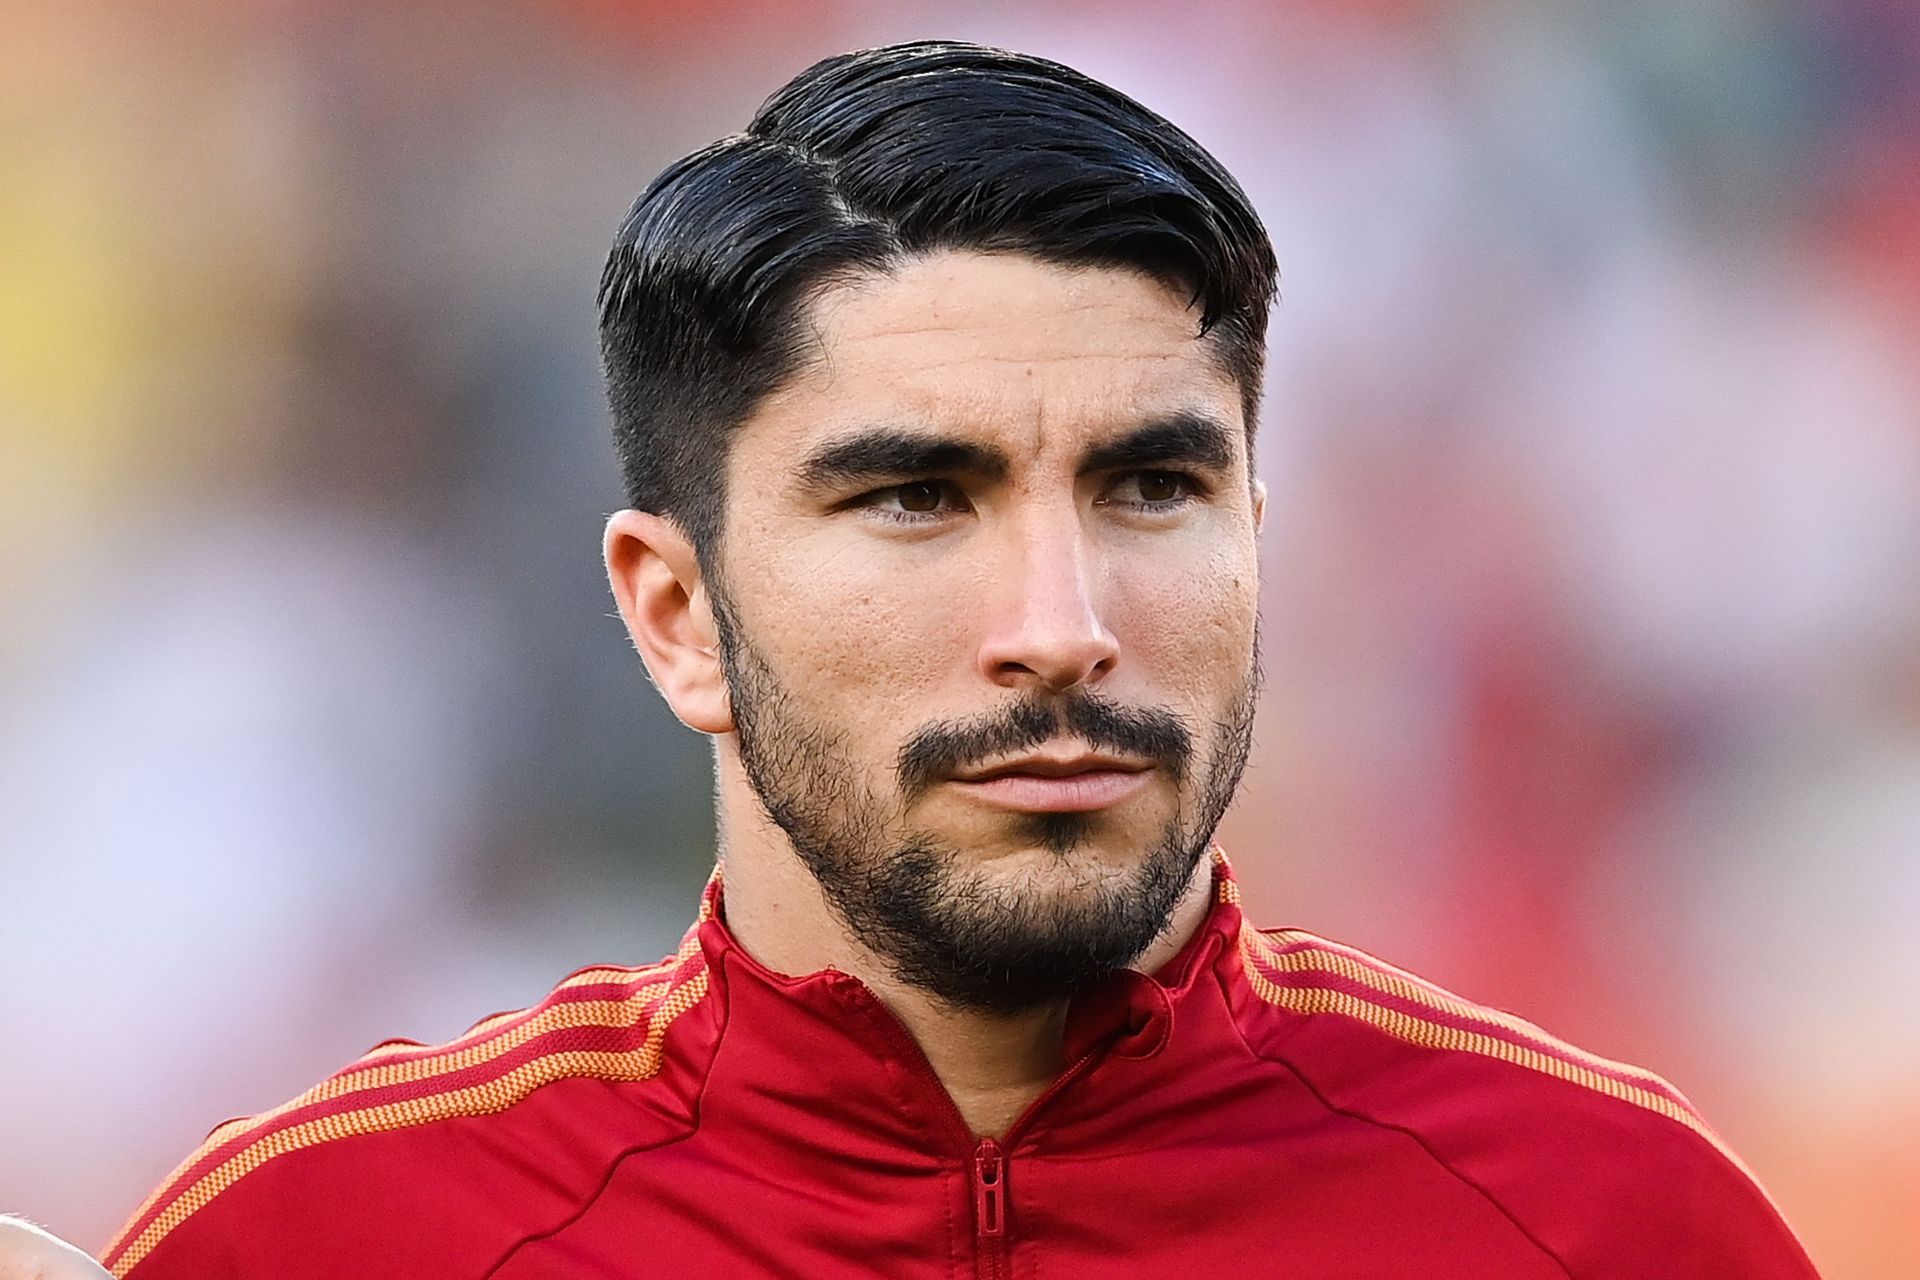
(1045, 625)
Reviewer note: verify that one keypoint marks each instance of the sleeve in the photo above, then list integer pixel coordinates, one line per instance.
(1609, 1168)
(423, 1202)
(1605, 1165)
(1618, 1189)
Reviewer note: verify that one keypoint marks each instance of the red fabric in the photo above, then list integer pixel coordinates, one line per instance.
(789, 1126)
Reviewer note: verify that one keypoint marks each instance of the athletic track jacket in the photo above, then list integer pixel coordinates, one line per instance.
(1268, 1100)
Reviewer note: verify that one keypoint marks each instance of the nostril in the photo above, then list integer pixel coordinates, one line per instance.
(1058, 641)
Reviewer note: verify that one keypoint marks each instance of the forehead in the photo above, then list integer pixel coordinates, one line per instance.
(1033, 356)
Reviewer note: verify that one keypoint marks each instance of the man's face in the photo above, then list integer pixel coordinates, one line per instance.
(987, 592)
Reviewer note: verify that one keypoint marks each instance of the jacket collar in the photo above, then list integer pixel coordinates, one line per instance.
(823, 1042)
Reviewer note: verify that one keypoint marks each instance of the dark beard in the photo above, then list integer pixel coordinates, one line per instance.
(944, 928)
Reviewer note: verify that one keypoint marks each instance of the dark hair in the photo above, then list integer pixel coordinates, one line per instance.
(863, 159)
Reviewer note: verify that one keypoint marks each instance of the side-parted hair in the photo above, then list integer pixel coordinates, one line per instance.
(858, 162)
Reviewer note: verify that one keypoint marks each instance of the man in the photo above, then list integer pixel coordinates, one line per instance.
(934, 392)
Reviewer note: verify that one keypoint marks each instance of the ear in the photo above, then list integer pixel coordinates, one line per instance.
(1259, 504)
(663, 600)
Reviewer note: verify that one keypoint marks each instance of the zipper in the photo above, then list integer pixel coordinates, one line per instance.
(989, 1190)
(990, 1183)
(987, 1164)
(990, 1211)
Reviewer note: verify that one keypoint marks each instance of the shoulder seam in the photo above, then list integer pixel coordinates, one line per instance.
(1413, 1136)
(586, 1204)
(613, 1167)
(436, 1085)
(1307, 974)
(1295, 950)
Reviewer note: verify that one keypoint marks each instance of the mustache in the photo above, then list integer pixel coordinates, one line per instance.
(942, 749)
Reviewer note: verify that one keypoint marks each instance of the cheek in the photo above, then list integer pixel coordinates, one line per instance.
(1189, 632)
(862, 641)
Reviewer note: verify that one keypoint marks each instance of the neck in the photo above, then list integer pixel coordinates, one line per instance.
(992, 1065)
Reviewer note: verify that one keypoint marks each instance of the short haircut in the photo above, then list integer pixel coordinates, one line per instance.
(859, 162)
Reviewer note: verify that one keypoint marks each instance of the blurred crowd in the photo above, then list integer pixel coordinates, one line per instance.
(1592, 569)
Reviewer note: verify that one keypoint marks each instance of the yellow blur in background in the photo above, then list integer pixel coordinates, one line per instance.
(1592, 594)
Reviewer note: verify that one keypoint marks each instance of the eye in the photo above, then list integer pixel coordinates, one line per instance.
(920, 497)
(917, 502)
(1153, 490)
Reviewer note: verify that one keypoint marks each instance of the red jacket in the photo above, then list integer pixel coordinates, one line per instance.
(1268, 1099)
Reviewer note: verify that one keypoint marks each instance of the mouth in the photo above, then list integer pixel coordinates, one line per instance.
(1057, 784)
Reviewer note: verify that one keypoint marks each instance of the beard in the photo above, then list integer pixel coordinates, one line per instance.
(999, 944)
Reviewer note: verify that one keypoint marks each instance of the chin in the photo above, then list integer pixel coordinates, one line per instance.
(1082, 839)
(1062, 852)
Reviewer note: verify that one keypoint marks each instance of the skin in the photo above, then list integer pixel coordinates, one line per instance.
(890, 603)
(28, 1253)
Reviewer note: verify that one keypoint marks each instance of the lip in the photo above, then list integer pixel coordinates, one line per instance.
(1055, 785)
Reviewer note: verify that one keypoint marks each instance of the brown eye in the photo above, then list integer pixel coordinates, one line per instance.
(921, 498)
(1158, 486)
(1154, 493)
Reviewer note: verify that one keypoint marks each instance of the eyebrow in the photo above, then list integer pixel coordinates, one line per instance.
(1193, 438)
(885, 453)
(882, 453)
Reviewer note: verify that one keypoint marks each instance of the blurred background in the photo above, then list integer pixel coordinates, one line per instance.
(1592, 595)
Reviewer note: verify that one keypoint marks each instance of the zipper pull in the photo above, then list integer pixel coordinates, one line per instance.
(989, 1189)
